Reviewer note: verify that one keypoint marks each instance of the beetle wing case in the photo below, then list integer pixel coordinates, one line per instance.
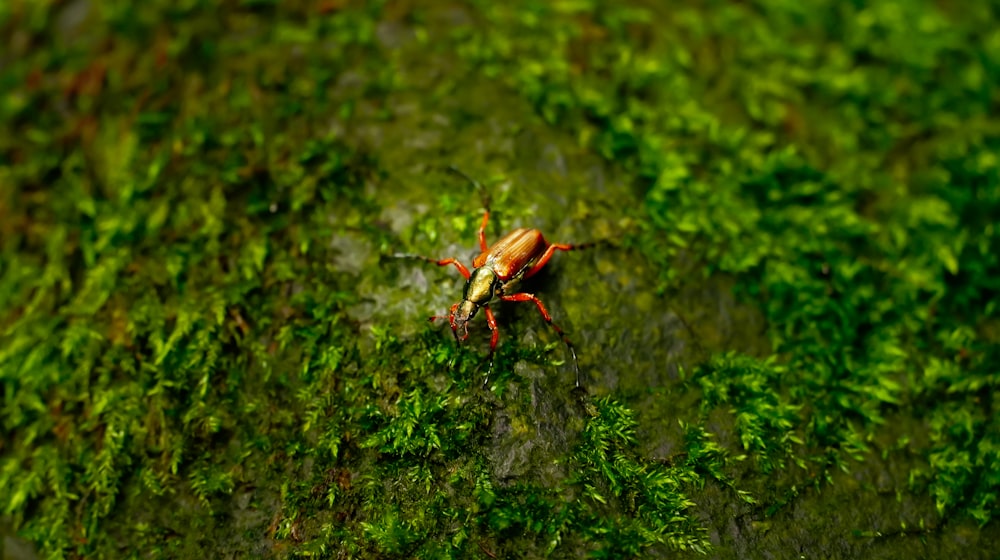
(513, 253)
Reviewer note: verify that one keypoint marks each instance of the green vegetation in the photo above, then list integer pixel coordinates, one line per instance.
(791, 343)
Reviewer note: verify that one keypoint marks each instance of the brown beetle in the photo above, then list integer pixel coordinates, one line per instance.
(496, 273)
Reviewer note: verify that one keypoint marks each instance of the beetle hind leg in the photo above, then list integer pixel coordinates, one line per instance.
(548, 319)
(551, 250)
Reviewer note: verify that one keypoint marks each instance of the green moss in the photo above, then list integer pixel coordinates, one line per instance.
(205, 348)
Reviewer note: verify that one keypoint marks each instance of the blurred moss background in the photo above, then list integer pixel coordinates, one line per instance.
(790, 343)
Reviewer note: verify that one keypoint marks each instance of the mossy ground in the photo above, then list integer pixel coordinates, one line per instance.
(789, 343)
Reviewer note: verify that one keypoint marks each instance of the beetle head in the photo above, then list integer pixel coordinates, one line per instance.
(464, 313)
(478, 292)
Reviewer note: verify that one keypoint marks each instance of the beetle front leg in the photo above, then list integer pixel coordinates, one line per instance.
(548, 319)
(454, 332)
(451, 321)
(491, 321)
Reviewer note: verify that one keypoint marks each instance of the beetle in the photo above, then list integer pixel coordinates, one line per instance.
(496, 274)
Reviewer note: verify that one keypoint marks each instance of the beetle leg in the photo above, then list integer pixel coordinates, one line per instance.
(451, 320)
(454, 326)
(454, 331)
(548, 255)
(548, 319)
(491, 321)
(482, 231)
(442, 262)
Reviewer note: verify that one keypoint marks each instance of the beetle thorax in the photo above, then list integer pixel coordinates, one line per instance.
(481, 285)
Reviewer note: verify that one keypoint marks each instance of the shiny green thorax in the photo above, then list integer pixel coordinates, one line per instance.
(479, 290)
(481, 286)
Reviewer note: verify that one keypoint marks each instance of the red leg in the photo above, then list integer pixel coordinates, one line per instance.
(548, 319)
(482, 231)
(548, 255)
(492, 322)
(454, 332)
(443, 262)
(461, 267)
(451, 320)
